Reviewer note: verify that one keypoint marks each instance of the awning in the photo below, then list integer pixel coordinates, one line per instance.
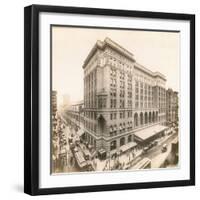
(128, 146)
(147, 133)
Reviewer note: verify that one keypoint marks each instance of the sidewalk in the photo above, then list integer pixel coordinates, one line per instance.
(124, 159)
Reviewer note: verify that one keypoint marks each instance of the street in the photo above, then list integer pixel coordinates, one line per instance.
(123, 161)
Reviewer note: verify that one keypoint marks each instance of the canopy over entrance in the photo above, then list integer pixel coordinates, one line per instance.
(148, 133)
(128, 146)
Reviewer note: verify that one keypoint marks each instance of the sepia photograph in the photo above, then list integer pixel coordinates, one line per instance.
(109, 99)
(114, 99)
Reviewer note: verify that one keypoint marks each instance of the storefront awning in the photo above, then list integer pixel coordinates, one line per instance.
(147, 133)
(128, 146)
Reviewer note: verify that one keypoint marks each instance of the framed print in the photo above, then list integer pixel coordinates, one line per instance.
(109, 99)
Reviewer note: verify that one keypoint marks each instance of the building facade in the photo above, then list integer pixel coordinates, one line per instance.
(54, 103)
(172, 107)
(54, 132)
(54, 111)
(121, 97)
(75, 115)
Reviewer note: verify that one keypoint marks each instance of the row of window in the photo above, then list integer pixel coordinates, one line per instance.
(90, 126)
(102, 103)
(90, 89)
(90, 115)
(113, 144)
(113, 103)
(116, 63)
(121, 115)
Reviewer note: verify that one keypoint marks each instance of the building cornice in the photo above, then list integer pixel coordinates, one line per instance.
(113, 45)
(149, 72)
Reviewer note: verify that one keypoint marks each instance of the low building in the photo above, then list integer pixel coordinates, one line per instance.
(75, 115)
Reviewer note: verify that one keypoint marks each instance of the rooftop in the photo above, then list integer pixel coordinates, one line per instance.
(108, 42)
(146, 133)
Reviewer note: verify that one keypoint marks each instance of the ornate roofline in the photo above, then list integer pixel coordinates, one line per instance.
(149, 72)
(108, 42)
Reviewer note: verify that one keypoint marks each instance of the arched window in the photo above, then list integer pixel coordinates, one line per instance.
(153, 118)
(129, 138)
(141, 119)
(146, 118)
(157, 116)
(150, 120)
(135, 119)
(122, 141)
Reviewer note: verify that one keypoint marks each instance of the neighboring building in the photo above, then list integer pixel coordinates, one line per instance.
(74, 114)
(55, 146)
(172, 107)
(54, 111)
(54, 103)
(121, 98)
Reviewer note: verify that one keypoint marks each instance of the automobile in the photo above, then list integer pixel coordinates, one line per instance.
(164, 148)
(145, 150)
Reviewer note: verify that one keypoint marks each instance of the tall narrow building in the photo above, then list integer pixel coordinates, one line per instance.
(172, 107)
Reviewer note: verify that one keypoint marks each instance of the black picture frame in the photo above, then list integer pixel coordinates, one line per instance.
(31, 98)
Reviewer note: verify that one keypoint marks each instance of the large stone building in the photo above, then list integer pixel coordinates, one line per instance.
(124, 102)
(172, 107)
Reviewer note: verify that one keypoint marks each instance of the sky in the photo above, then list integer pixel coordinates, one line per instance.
(157, 51)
